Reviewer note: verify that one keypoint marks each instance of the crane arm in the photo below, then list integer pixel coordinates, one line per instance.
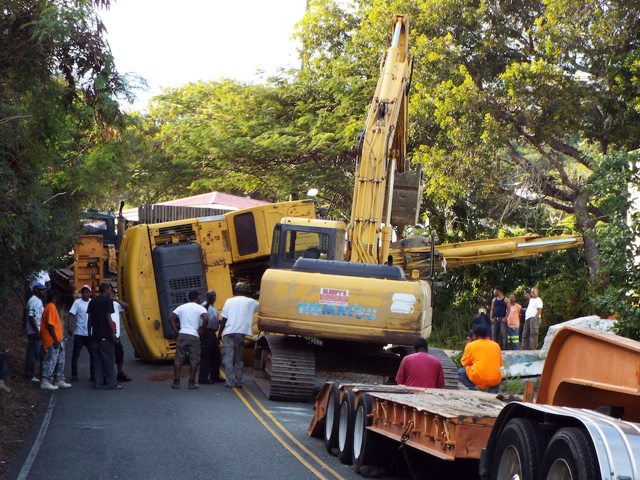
(410, 255)
(382, 152)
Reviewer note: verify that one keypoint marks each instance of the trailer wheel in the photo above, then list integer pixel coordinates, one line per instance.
(518, 452)
(570, 456)
(345, 427)
(332, 418)
(365, 442)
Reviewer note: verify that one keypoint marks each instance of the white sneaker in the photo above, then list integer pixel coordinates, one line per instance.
(62, 384)
(46, 385)
(3, 387)
(35, 380)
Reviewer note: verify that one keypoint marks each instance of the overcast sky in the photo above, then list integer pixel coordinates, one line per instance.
(171, 43)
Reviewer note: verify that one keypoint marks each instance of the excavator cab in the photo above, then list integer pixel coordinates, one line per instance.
(295, 238)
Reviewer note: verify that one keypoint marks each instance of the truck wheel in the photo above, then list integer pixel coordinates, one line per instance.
(570, 456)
(345, 427)
(365, 442)
(332, 418)
(518, 451)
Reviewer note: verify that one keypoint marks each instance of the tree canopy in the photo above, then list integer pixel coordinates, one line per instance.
(59, 119)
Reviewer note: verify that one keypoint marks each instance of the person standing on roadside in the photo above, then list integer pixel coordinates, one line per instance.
(533, 314)
(102, 333)
(236, 323)
(525, 304)
(193, 321)
(209, 343)
(119, 306)
(78, 315)
(35, 308)
(52, 346)
(498, 315)
(513, 324)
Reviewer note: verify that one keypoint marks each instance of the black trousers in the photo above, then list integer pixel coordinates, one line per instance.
(209, 356)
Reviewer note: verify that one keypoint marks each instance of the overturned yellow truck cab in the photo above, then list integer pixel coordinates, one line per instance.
(160, 263)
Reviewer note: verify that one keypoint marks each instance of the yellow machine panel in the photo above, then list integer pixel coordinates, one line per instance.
(160, 263)
(338, 307)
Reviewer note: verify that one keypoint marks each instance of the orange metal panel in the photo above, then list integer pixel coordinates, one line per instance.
(448, 424)
(587, 368)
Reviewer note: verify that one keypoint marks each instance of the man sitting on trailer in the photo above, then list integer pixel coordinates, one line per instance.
(421, 369)
(482, 360)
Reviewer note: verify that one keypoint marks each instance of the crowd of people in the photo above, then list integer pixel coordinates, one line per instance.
(95, 325)
(512, 325)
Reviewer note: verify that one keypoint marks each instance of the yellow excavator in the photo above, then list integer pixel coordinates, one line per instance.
(326, 289)
(380, 292)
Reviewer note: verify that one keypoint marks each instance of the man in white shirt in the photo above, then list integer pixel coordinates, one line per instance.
(235, 324)
(193, 320)
(78, 315)
(532, 316)
(35, 309)
(41, 277)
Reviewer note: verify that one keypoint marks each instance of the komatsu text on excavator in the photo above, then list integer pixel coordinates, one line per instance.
(344, 291)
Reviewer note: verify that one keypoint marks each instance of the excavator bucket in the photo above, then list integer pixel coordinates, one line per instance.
(407, 195)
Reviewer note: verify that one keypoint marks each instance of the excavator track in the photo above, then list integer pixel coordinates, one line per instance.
(285, 368)
(450, 368)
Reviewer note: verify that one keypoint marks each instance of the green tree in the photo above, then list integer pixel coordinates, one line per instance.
(616, 180)
(509, 99)
(59, 121)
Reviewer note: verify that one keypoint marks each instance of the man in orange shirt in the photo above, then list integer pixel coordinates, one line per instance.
(52, 345)
(482, 360)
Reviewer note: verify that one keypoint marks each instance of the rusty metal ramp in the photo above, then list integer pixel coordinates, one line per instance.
(285, 368)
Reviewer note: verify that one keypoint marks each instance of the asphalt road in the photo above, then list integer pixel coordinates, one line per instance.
(150, 431)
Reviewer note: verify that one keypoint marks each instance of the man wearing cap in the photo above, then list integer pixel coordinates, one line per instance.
(193, 320)
(236, 322)
(35, 308)
(482, 360)
(78, 315)
(421, 369)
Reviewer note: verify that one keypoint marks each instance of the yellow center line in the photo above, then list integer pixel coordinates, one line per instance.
(294, 439)
(278, 437)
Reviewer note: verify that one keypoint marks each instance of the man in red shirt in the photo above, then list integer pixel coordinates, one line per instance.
(421, 369)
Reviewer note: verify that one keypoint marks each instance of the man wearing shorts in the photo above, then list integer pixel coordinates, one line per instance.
(193, 320)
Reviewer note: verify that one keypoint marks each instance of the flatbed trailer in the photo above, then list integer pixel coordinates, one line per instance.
(512, 440)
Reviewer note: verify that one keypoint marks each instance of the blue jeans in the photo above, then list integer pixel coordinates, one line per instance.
(232, 350)
(464, 378)
(53, 367)
(103, 353)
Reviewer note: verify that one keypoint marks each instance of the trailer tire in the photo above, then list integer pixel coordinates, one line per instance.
(570, 456)
(365, 442)
(332, 419)
(345, 427)
(519, 451)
